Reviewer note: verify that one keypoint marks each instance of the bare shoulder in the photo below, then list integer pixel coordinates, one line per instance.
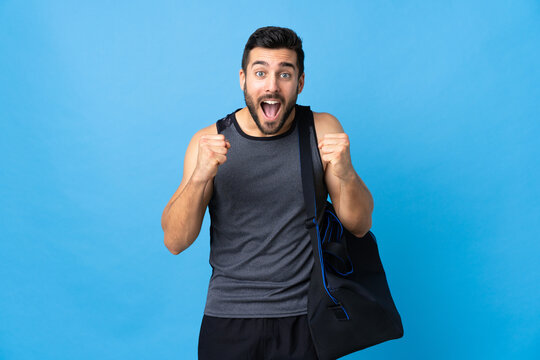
(326, 123)
(192, 150)
(209, 130)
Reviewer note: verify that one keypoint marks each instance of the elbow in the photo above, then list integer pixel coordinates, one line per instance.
(365, 224)
(363, 229)
(173, 251)
(173, 246)
(360, 234)
(177, 241)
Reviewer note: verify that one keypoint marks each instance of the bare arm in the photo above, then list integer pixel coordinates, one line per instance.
(350, 196)
(182, 217)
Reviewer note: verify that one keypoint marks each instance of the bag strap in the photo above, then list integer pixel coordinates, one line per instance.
(306, 164)
(308, 184)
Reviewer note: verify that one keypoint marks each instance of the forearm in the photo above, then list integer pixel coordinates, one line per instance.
(182, 220)
(355, 205)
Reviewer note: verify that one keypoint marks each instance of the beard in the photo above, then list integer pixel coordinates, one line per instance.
(277, 125)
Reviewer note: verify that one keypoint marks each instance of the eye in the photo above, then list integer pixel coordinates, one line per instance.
(259, 73)
(285, 75)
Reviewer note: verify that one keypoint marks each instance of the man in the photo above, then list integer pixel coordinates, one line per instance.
(246, 170)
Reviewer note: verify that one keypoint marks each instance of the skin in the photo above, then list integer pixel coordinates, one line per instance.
(269, 74)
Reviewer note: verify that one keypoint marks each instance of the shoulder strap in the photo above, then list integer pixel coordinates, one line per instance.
(225, 122)
(308, 184)
(305, 120)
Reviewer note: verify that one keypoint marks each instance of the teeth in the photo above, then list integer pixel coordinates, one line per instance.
(271, 102)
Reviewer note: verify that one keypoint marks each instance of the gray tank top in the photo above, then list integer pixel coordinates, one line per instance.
(260, 250)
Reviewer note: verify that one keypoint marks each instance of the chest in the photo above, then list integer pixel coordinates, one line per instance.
(260, 171)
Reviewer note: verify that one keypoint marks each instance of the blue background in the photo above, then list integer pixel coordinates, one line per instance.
(99, 99)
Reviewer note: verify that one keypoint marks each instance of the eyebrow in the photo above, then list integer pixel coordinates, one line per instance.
(281, 64)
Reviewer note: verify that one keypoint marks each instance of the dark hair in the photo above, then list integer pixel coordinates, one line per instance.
(273, 37)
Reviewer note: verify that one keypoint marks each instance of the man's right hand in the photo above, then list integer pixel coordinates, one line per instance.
(212, 153)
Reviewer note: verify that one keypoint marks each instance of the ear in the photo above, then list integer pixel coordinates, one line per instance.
(301, 83)
(242, 79)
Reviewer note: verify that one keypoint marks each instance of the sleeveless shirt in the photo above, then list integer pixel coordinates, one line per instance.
(260, 249)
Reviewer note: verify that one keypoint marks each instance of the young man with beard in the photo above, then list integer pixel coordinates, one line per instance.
(246, 169)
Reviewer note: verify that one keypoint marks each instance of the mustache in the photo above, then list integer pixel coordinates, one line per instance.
(272, 97)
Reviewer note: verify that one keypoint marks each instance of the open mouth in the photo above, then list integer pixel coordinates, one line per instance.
(271, 109)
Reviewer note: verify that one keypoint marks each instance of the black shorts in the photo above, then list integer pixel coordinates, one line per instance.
(255, 338)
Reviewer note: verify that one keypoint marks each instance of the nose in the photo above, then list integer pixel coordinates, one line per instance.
(272, 84)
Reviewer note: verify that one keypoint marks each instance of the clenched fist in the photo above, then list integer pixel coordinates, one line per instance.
(212, 153)
(335, 152)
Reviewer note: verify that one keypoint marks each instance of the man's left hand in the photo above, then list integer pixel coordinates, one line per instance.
(335, 152)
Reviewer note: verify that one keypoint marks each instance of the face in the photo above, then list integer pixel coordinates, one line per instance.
(271, 87)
